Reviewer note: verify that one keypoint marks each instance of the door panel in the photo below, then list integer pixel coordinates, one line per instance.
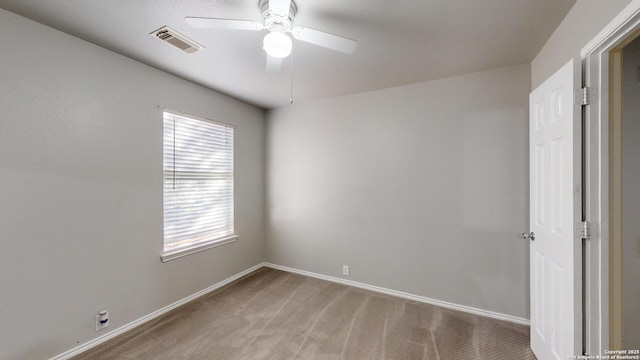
(555, 213)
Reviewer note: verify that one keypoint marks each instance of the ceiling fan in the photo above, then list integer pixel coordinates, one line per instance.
(278, 17)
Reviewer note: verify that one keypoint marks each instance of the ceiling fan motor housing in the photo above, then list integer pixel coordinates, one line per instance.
(275, 22)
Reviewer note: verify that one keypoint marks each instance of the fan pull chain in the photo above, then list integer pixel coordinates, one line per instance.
(291, 83)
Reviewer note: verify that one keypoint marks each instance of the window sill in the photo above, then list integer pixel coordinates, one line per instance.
(175, 254)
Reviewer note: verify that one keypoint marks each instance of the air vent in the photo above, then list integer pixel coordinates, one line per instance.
(176, 39)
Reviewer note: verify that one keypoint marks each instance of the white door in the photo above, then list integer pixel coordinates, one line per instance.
(555, 215)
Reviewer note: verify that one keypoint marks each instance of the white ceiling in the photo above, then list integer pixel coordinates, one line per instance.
(400, 42)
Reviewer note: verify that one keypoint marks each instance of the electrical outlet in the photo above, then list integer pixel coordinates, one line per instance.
(102, 320)
(345, 270)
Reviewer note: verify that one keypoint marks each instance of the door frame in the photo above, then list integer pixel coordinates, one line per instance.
(596, 181)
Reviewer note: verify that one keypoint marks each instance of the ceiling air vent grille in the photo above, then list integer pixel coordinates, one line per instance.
(176, 39)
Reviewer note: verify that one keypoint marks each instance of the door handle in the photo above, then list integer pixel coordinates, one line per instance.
(529, 236)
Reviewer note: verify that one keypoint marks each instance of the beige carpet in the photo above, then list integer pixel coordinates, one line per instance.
(271, 314)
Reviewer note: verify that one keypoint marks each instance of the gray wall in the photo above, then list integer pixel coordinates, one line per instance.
(81, 189)
(585, 20)
(420, 188)
(631, 197)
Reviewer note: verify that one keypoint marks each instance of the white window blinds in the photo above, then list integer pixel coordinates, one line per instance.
(198, 181)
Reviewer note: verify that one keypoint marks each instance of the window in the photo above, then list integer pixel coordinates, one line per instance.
(198, 185)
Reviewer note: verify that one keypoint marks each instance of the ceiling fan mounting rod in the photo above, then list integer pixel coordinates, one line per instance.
(277, 22)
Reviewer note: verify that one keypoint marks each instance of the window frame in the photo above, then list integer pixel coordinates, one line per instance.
(168, 255)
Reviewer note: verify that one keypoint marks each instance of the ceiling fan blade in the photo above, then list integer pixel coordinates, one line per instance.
(228, 24)
(273, 65)
(325, 39)
(279, 7)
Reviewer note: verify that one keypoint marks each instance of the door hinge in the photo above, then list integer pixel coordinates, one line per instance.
(585, 96)
(589, 230)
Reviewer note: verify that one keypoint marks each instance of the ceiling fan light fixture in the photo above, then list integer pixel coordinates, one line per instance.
(277, 44)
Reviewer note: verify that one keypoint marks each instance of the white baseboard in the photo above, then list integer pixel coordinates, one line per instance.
(445, 304)
(110, 335)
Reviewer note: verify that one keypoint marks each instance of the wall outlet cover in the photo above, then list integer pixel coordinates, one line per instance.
(101, 325)
(345, 270)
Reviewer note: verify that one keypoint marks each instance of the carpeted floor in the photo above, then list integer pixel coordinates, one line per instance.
(272, 314)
